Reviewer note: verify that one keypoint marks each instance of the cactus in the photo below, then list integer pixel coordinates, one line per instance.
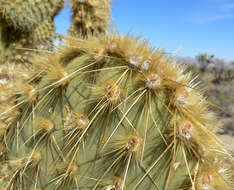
(90, 17)
(26, 24)
(27, 14)
(112, 113)
(105, 112)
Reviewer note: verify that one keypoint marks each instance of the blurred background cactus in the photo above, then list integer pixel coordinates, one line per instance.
(90, 17)
(26, 24)
(104, 112)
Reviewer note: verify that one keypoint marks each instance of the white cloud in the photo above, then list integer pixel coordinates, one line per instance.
(215, 10)
(203, 19)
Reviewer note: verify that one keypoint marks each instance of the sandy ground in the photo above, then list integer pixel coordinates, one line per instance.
(227, 134)
(229, 140)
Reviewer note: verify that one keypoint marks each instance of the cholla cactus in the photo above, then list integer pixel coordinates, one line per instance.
(26, 24)
(90, 17)
(28, 14)
(111, 113)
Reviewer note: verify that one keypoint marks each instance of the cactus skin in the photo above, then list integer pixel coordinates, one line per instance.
(90, 17)
(44, 33)
(112, 113)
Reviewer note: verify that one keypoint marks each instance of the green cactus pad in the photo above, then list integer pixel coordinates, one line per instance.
(112, 114)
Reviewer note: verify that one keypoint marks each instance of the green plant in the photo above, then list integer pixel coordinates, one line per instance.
(89, 17)
(109, 113)
(26, 24)
(204, 60)
(26, 27)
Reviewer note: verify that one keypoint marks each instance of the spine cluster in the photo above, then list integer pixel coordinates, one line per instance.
(102, 112)
(112, 113)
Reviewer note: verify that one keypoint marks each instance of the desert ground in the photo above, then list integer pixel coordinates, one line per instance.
(221, 94)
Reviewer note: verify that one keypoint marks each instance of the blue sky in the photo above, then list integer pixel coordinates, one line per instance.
(182, 27)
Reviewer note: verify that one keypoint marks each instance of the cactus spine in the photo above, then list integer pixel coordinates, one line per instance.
(25, 27)
(110, 113)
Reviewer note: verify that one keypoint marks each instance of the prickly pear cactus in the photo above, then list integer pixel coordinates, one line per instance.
(90, 17)
(111, 113)
(25, 27)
